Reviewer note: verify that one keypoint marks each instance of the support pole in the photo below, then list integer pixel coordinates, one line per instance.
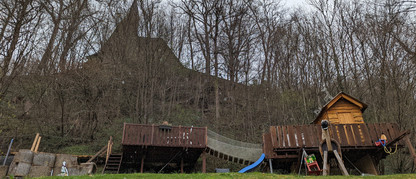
(109, 147)
(204, 162)
(301, 162)
(142, 164)
(8, 152)
(325, 167)
(328, 139)
(411, 149)
(341, 164)
(181, 164)
(270, 165)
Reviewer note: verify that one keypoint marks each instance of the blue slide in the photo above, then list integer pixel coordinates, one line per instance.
(254, 165)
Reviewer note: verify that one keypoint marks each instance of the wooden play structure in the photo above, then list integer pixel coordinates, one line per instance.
(353, 139)
(162, 148)
(166, 148)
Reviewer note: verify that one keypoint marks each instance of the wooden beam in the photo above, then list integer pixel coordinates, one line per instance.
(98, 153)
(142, 164)
(109, 148)
(411, 149)
(325, 165)
(204, 162)
(124, 130)
(341, 164)
(35, 142)
(398, 138)
(181, 164)
(327, 137)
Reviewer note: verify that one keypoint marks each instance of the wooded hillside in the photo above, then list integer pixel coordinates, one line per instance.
(75, 71)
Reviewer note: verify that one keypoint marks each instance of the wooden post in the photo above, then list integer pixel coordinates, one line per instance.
(152, 134)
(102, 150)
(124, 130)
(179, 135)
(411, 149)
(142, 164)
(328, 139)
(109, 146)
(181, 164)
(206, 136)
(325, 166)
(35, 142)
(204, 162)
(341, 164)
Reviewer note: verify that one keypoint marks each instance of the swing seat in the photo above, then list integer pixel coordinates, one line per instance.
(313, 167)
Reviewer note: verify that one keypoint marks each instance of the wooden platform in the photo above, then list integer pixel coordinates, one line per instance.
(162, 148)
(349, 136)
(285, 143)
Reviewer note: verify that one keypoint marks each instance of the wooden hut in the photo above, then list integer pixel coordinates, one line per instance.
(342, 109)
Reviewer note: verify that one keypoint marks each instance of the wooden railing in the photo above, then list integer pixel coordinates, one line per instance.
(168, 136)
(109, 148)
(347, 135)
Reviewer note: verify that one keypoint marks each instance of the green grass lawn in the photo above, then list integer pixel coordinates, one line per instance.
(226, 175)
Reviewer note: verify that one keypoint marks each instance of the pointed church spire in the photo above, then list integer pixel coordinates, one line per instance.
(132, 18)
(126, 30)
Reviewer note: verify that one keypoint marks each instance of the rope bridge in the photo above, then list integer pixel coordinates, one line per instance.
(232, 150)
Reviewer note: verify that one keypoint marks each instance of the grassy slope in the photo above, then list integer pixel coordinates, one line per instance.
(226, 175)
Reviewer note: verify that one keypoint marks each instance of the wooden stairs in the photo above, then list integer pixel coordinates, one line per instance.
(113, 163)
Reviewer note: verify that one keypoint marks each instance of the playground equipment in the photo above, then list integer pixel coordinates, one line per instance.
(254, 165)
(232, 150)
(311, 163)
(160, 146)
(282, 146)
(328, 145)
(355, 139)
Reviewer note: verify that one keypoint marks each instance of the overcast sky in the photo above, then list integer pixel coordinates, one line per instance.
(295, 3)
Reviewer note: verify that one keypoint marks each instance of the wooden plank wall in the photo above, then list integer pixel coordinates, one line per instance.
(152, 135)
(343, 112)
(348, 135)
(267, 145)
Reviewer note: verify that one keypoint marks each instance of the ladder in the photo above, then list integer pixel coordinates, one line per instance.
(113, 163)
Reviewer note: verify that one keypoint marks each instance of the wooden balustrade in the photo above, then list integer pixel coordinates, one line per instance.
(162, 135)
(347, 135)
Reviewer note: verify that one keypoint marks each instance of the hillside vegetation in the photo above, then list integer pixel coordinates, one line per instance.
(76, 71)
